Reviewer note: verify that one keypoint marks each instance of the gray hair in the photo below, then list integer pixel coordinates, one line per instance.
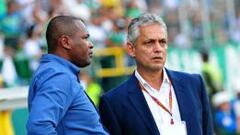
(144, 19)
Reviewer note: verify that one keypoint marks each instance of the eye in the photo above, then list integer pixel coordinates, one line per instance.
(163, 43)
(149, 42)
(87, 37)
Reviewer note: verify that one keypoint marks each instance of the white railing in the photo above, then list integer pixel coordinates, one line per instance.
(12, 98)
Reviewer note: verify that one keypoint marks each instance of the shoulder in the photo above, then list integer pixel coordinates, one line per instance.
(179, 75)
(50, 74)
(48, 71)
(187, 80)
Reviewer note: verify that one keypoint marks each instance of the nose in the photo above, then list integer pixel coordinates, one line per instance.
(158, 47)
(90, 44)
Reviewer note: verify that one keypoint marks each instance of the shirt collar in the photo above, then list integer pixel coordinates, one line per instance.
(144, 83)
(165, 76)
(51, 57)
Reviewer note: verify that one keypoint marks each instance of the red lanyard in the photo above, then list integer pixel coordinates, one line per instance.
(159, 103)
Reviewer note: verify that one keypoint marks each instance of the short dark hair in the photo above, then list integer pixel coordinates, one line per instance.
(58, 26)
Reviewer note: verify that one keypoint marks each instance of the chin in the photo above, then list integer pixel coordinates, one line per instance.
(156, 68)
(85, 64)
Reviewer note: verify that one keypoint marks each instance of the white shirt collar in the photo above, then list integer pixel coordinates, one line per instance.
(145, 84)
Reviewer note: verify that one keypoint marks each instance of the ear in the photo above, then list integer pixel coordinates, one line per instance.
(130, 49)
(65, 42)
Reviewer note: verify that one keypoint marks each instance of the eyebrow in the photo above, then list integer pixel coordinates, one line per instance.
(162, 39)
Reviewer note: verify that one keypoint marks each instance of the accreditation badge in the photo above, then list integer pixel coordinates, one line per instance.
(178, 128)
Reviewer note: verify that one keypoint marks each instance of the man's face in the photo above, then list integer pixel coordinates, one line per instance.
(150, 48)
(81, 52)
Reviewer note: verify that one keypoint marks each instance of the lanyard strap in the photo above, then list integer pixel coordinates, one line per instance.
(169, 111)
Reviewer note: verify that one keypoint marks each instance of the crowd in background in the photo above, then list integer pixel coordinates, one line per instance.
(195, 24)
(23, 23)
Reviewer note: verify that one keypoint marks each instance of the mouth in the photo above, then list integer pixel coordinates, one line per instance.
(157, 58)
(91, 54)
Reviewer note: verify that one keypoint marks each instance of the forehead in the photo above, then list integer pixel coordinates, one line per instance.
(81, 28)
(152, 31)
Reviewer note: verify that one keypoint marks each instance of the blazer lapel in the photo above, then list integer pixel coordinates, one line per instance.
(181, 95)
(138, 101)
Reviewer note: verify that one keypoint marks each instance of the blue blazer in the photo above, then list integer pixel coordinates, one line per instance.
(124, 110)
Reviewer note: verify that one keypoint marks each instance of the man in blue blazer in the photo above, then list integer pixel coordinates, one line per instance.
(155, 100)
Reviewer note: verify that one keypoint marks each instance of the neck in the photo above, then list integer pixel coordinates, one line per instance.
(154, 79)
(60, 54)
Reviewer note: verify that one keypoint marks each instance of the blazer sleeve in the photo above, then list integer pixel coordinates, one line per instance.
(108, 117)
(207, 122)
